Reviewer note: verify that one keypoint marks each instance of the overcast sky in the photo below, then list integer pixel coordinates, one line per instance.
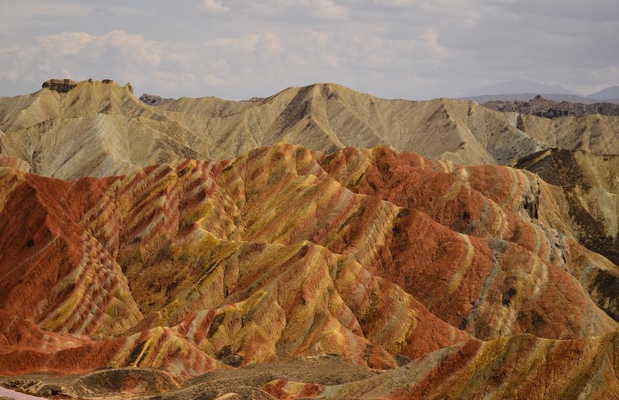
(243, 48)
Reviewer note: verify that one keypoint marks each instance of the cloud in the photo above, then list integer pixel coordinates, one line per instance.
(132, 48)
(321, 9)
(326, 9)
(18, 15)
(391, 48)
(249, 43)
(38, 8)
(396, 3)
(591, 11)
(273, 43)
(65, 43)
(245, 43)
(120, 11)
(214, 6)
(80, 55)
(432, 40)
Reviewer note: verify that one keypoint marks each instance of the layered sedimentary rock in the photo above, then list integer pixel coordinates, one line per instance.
(592, 190)
(519, 367)
(370, 255)
(96, 129)
(101, 129)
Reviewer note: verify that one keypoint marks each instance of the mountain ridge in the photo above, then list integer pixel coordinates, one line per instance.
(607, 94)
(101, 129)
(286, 253)
(523, 90)
(546, 108)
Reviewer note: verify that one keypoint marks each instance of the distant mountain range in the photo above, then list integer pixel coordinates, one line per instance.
(523, 90)
(611, 93)
(542, 107)
(523, 86)
(528, 96)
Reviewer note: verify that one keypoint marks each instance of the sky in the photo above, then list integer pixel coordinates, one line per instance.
(237, 49)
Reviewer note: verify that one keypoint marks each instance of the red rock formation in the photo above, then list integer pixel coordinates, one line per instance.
(373, 255)
(520, 367)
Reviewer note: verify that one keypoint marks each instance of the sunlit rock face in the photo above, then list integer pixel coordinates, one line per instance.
(455, 281)
(100, 128)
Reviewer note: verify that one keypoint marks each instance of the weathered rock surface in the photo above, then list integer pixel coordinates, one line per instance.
(96, 129)
(519, 367)
(154, 100)
(591, 185)
(102, 129)
(545, 108)
(59, 85)
(591, 191)
(373, 256)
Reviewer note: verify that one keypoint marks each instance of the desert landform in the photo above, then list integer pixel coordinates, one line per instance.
(320, 243)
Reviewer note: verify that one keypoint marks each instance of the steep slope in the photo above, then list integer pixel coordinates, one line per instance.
(95, 129)
(373, 256)
(206, 304)
(499, 204)
(101, 129)
(592, 190)
(327, 117)
(593, 133)
(521, 367)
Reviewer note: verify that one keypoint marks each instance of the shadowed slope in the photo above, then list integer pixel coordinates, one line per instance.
(592, 192)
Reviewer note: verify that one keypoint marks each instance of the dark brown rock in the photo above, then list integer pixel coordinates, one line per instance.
(545, 108)
(59, 85)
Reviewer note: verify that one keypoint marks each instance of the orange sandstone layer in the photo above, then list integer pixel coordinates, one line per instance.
(377, 256)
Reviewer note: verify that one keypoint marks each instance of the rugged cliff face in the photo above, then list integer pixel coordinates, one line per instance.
(369, 256)
(592, 188)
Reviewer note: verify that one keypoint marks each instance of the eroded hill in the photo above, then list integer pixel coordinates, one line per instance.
(453, 281)
(591, 185)
(101, 129)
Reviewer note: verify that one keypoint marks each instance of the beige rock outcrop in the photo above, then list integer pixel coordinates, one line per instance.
(101, 128)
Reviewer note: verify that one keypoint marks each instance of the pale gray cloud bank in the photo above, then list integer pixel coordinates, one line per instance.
(241, 48)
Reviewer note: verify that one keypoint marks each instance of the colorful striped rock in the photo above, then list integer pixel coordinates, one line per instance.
(442, 281)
